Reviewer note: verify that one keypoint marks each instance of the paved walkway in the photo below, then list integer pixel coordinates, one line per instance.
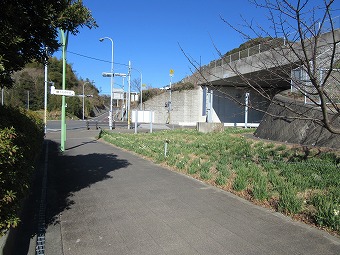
(103, 200)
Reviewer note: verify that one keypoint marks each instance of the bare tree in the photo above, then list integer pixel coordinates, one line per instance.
(300, 50)
(135, 85)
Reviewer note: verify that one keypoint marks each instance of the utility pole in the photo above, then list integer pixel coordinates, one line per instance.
(64, 38)
(28, 99)
(45, 95)
(129, 94)
(141, 91)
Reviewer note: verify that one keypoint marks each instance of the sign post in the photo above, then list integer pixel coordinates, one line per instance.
(246, 110)
(62, 92)
(170, 102)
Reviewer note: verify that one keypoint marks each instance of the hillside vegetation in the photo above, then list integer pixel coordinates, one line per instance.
(28, 90)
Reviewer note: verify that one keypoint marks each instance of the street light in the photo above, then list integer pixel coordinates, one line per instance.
(123, 75)
(110, 115)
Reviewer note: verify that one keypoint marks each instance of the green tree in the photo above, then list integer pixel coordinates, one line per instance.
(74, 106)
(24, 41)
(31, 79)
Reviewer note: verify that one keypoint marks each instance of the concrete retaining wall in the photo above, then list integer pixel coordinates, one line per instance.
(186, 107)
(295, 131)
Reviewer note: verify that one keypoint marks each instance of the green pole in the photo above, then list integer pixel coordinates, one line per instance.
(64, 38)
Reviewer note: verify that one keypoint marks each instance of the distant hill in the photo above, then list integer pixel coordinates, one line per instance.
(28, 89)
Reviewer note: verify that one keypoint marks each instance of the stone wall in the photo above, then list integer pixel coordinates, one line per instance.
(295, 131)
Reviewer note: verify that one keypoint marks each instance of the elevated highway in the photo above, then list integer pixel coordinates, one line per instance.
(265, 66)
(238, 77)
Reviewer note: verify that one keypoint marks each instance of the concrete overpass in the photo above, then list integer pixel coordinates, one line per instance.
(227, 80)
(266, 66)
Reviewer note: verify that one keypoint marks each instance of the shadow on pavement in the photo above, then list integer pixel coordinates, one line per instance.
(65, 176)
(82, 144)
(69, 174)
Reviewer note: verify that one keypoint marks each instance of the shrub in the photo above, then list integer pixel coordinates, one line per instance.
(150, 93)
(183, 86)
(21, 136)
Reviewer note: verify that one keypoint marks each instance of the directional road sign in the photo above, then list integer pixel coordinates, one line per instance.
(62, 92)
(105, 74)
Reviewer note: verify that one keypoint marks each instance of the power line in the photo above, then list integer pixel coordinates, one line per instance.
(84, 56)
(96, 59)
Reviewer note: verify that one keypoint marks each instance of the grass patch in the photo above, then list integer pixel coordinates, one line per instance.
(220, 180)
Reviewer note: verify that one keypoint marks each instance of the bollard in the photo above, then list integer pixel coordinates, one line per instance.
(166, 148)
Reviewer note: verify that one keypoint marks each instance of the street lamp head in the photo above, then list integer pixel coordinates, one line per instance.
(101, 39)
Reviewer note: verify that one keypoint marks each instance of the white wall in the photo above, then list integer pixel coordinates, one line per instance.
(187, 106)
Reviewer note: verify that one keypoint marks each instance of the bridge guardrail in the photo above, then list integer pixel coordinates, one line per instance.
(265, 46)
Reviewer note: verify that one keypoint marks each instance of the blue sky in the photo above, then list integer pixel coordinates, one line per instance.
(148, 33)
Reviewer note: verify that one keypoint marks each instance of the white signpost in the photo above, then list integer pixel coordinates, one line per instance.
(118, 94)
(62, 92)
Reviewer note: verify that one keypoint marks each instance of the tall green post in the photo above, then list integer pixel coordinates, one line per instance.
(64, 39)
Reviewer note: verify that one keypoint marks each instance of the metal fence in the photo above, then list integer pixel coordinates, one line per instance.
(259, 48)
(328, 25)
(301, 83)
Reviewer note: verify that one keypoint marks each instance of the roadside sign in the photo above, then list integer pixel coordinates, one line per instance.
(62, 92)
(172, 72)
(105, 74)
(118, 94)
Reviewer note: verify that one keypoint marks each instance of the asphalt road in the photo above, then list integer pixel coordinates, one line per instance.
(54, 125)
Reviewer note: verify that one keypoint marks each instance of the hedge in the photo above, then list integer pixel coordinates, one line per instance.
(21, 140)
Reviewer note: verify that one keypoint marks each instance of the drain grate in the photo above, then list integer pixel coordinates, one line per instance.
(40, 242)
